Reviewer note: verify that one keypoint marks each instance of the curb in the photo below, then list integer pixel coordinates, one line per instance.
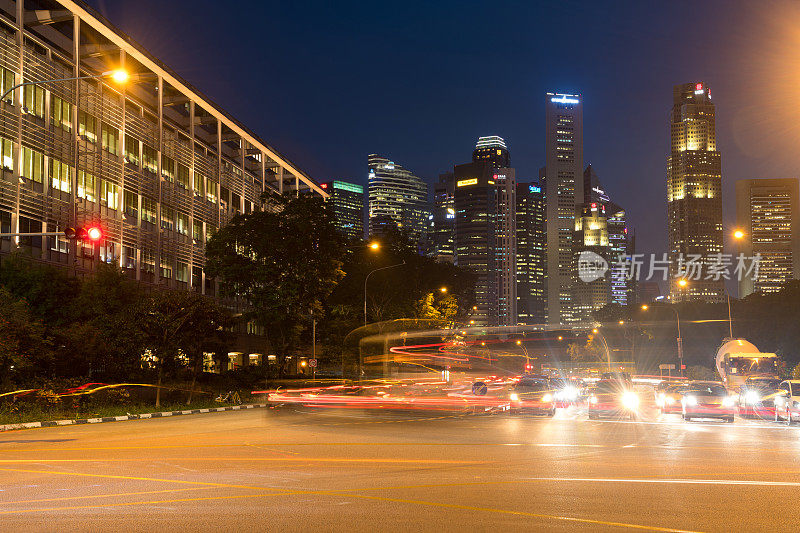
(142, 416)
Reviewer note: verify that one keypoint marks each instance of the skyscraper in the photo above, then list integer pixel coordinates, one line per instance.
(397, 198)
(492, 149)
(444, 218)
(591, 235)
(347, 201)
(694, 191)
(619, 245)
(485, 235)
(530, 253)
(563, 185)
(618, 241)
(768, 213)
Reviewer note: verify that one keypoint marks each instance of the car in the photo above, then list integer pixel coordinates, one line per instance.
(757, 397)
(567, 390)
(619, 376)
(669, 400)
(612, 397)
(708, 399)
(532, 395)
(787, 401)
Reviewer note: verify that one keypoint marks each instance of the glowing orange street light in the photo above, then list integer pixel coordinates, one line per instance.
(119, 76)
(645, 307)
(682, 282)
(375, 245)
(560, 338)
(594, 331)
(738, 235)
(621, 322)
(519, 342)
(443, 289)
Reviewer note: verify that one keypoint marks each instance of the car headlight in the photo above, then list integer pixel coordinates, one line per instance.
(630, 400)
(569, 393)
(514, 397)
(690, 400)
(593, 399)
(752, 397)
(729, 401)
(547, 398)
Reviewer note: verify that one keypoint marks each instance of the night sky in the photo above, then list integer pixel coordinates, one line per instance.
(328, 83)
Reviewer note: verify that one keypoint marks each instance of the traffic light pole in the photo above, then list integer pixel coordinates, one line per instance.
(35, 234)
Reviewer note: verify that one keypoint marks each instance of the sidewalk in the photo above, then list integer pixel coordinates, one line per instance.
(142, 416)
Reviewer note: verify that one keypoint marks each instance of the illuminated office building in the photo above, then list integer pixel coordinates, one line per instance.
(444, 218)
(531, 244)
(397, 199)
(563, 186)
(591, 235)
(153, 161)
(347, 201)
(620, 245)
(694, 191)
(768, 213)
(485, 234)
(492, 149)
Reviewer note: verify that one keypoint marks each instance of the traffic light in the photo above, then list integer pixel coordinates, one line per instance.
(91, 233)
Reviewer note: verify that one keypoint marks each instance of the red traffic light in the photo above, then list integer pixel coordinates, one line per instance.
(94, 233)
(91, 233)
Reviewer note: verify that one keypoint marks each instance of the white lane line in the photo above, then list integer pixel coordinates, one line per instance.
(672, 481)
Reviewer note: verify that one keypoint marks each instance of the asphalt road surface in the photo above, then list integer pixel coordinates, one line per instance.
(296, 470)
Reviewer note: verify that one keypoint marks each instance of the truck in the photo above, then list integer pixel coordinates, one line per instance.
(739, 359)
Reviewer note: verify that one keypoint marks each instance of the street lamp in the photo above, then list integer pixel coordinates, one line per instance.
(443, 289)
(678, 320)
(119, 76)
(375, 245)
(738, 235)
(365, 286)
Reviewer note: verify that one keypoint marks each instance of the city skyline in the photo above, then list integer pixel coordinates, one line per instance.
(742, 55)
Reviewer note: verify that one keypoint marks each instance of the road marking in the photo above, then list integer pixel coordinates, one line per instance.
(367, 460)
(279, 492)
(671, 481)
(137, 478)
(65, 498)
(128, 504)
(510, 512)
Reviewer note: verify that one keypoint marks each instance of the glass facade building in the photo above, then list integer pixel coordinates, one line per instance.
(768, 213)
(563, 186)
(347, 201)
(152, 161)
(398, 199)
(531, 244)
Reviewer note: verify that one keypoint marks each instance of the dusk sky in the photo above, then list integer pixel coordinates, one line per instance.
(328, 83)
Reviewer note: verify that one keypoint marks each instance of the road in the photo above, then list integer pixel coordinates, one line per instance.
(290, 470)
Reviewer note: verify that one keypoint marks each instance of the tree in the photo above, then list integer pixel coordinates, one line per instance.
(162, 318)
(106, 336)
(23, 348)
(284, 261)
(589, 352)
(206, 330)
